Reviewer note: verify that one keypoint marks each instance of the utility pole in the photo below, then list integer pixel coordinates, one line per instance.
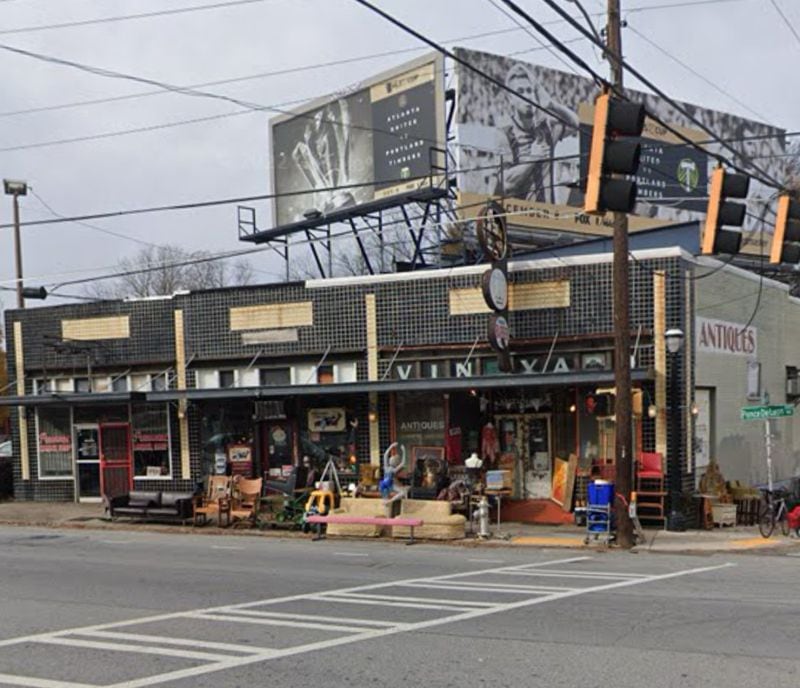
(16, 189)
(622, 330)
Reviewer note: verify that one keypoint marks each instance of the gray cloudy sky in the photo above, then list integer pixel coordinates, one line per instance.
(744, 46)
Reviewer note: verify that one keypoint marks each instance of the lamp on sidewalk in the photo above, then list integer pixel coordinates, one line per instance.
(674, 341)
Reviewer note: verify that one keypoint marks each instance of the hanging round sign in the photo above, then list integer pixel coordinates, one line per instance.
(492, 231)
(499, 333)
(495, 289)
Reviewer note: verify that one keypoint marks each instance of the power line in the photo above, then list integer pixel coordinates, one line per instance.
(444, 51)
(765, 179)
(786, 20)
(692, 70)
(127, 17)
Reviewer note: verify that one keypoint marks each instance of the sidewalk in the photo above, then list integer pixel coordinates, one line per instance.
(737, 539)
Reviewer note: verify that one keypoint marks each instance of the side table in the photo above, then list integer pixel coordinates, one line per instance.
(498, 495)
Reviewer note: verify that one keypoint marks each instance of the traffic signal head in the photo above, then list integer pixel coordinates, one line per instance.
(786, 238)
(611, 153)
(722, 212)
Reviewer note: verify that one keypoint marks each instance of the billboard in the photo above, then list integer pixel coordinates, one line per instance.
(536, 161)
(373, 142)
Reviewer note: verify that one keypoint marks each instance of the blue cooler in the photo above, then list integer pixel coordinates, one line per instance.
(601, 498)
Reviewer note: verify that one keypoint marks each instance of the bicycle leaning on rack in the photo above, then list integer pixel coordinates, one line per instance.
(773, 511)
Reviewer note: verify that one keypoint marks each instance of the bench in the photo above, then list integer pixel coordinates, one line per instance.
(410, 523)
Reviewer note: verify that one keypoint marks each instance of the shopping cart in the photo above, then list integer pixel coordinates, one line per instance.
(600, 521)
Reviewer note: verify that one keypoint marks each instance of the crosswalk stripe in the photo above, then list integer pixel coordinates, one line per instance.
(388, 603)
(316, 617)
(167, 640)
(407, 598)
(243, 617)
(492, 588)
(143, 649)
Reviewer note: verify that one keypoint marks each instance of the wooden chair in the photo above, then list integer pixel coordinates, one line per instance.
(650, 486)
(215, 502)
(246, 502)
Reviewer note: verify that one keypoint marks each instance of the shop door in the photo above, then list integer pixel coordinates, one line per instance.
(87, 460)
(115, 459)
(277, 448)
(537, 458)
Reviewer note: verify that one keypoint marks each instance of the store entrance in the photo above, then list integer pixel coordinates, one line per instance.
(526, 450)
(115, 459)
(87, 460)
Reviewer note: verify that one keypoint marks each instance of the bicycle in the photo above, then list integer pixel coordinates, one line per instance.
(773, 511)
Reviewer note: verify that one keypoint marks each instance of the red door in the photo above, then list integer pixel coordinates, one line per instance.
(116, 476)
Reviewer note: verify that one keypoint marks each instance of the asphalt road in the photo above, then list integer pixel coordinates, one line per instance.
(131, 609)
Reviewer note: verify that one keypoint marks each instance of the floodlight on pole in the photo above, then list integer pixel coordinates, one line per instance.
(16, 188)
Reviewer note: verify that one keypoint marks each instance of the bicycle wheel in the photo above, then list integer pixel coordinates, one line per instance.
(766, 520)
(783, 518)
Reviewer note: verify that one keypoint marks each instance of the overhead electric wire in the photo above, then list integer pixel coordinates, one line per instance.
(766, 179)
(692, 70)
(128, 17)
(448, 53)
(786, 21)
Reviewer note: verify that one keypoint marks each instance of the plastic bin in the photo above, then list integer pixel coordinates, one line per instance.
(601, 493)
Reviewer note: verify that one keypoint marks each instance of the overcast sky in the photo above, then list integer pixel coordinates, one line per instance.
(743, 46)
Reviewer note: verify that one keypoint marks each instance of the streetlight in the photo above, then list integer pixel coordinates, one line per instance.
(16, 189)
(674, 340)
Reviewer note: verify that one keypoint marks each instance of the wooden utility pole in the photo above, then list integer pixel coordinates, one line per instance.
(622, 330)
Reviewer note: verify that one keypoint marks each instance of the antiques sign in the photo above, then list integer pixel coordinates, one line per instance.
(721, 337)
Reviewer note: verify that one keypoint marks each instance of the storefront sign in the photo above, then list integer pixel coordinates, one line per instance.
(326, 420)
(721, 337)
(54, 443)
(526, 365)
(145, 441)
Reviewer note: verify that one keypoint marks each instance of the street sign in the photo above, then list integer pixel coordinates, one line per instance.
(762, 412)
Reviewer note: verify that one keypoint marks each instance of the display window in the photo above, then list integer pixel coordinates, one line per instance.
(151, 441)
(226, 428)
(54, 442)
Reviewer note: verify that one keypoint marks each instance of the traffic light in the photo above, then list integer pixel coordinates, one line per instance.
(785, 246)
(722, 212)
(612, 154)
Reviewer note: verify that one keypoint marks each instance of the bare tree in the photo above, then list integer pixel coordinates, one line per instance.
(163, 270)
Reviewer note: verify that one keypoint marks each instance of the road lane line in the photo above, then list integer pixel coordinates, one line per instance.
(335, 619)
(431, 623)
(31, 682)
(242, 617)
(143, 649)
(147, 638)
(387, 603)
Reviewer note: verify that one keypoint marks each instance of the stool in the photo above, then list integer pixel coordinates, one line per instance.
(320, 497)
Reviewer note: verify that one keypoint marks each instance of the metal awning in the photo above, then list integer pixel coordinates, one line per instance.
(581, 378)
(73, 399)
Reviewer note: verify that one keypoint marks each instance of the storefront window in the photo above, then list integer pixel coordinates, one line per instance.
(420, 420)
(226, 429)
(54, 443)
(150, 439)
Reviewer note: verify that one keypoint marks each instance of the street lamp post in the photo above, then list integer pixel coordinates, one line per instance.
(16, 189)
(675, 521)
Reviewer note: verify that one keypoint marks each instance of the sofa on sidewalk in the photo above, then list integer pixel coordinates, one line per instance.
(440, 523)
(354, 506)
(152, 506)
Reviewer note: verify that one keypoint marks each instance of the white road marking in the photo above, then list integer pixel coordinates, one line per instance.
(457, 611)
(487, 561)
(143, 649)
(491, 587)
(41, 682)
(591, 575)
(166, 640)
(349, 554)
(231, 547)
(243, 616)
(335, 619)
(466, 616)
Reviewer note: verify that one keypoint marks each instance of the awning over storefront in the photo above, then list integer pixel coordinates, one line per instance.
(581, 378)
(73, 399)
